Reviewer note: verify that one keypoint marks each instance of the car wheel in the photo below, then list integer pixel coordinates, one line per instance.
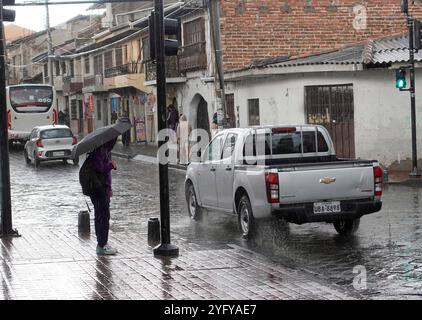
(76, 161)
(347, 227)
(36, 160)
(246, 218)
(194, 210)
(25, 154)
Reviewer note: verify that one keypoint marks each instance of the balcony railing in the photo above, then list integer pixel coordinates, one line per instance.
(193, 57)
(94, 80)
(172, 69)
(72, 83)
(128, 68)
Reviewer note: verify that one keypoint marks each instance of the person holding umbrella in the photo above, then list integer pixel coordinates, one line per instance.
(100, 198)
(96, 180)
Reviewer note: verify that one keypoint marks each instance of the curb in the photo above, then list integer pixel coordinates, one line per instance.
(122, 155)
(408, 183)
(132, 157)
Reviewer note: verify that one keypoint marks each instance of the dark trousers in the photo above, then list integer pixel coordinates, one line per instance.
(101, 203)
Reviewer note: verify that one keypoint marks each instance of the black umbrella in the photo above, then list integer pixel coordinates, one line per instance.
(101, 136)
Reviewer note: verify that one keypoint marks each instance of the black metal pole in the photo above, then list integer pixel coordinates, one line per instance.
(166, 248)
(5, 196)
(415, 171)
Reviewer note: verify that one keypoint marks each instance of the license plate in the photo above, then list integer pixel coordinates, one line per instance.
(327, 207)
(58, 154)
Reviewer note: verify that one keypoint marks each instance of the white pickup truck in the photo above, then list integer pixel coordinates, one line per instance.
(290, 172)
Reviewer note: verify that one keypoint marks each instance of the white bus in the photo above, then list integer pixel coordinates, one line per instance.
(28, 106)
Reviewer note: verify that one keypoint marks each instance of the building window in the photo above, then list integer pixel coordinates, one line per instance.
(145, 49)
(63, 66)
(87, 68)
(57, 67)
(108, 59)
(119, 57)
(73, 110)
(99, 110)
(125, 54)
(194, 32)
(98, 64)
(253, 112)
(72, 68)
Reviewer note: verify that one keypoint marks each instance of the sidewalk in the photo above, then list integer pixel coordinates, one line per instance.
(58, 264)
(141, 152)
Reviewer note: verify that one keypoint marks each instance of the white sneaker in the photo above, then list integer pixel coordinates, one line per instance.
(106, 250)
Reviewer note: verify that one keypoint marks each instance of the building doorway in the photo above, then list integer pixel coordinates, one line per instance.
(202, 117)
(333, 107)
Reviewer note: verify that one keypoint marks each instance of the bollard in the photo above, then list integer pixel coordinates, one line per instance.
(153, 231)
(84, 225)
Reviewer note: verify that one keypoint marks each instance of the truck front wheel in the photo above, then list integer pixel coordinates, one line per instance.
(347, 227)
(246, 218)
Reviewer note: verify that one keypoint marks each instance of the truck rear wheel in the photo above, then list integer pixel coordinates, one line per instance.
(246, 218)
(36, 161)
(194, 210)
(347, 227)
(25, 154)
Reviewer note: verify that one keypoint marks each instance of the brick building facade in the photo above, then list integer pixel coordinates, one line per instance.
(259, 29)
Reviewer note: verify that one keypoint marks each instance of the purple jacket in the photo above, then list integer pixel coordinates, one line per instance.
(102, 161)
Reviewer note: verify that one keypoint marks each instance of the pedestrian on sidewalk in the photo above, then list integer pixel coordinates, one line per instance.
(173, 121)
(183, 133)
(103, 164)
(126, 135)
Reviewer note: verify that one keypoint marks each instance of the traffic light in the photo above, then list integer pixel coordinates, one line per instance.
(417, 34)
(7, 14)
(171, 28)
(401, 79)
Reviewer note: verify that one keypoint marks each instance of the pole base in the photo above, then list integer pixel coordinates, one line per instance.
(415, 173)
(11, 233)
(166, 250)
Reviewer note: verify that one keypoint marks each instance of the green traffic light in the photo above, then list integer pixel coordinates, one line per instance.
(401, 84)
(401, 79)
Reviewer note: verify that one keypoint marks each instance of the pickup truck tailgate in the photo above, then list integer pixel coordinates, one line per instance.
(316, 183)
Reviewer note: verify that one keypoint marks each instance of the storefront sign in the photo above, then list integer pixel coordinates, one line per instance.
(140, 130)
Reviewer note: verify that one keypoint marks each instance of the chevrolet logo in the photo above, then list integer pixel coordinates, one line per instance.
(327, 180)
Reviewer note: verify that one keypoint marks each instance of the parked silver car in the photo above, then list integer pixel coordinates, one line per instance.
(52, 142)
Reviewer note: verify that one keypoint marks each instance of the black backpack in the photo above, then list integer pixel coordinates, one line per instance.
(91, 180)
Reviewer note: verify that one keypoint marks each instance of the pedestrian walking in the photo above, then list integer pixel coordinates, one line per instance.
(66, 117)
(173, 122)
(100, 197)
(61, 117)
(126, 135)
(183, 133)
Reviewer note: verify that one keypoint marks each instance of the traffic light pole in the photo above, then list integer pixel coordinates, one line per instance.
(166, 248)
(5, 196)
(415, 171)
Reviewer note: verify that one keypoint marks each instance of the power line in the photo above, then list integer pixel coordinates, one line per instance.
(38, 3)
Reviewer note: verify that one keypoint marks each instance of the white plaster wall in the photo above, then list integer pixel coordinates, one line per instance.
(188, 98)
(382, 112)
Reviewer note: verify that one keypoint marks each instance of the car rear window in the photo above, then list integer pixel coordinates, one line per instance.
(56, 133)
(288, 143)
(282, 143)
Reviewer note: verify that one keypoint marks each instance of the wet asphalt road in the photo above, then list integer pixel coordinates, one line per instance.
(387, 245)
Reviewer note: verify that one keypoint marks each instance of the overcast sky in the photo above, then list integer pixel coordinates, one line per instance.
(34, 17)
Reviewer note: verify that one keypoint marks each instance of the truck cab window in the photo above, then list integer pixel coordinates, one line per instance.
(229, 146)
(214, 149)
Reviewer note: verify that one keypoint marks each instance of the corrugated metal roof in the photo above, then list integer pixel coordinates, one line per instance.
(385, 51)
(351, 55)
(393, 50)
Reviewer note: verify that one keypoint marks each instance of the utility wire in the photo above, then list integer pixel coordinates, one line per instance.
(38, 3)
